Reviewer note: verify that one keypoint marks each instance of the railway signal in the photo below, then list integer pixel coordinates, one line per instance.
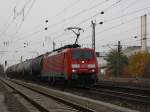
(119, 53)
(119, 47)
(5, 63)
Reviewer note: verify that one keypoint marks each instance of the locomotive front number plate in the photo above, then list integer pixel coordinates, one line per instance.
(83, 65)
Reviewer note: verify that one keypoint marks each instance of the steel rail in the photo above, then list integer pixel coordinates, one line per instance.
(129, 89)
(73, 105)
(122, 95)
(35, 104)
(76, 102)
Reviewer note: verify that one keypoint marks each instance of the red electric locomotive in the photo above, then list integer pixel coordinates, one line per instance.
(71, 63)
(68, 64)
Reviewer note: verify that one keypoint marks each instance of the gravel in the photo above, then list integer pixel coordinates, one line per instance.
(11, 102)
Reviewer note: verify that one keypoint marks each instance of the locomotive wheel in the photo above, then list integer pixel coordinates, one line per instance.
(68, 83)
(65, 83)
(50, 80)
(53, 81)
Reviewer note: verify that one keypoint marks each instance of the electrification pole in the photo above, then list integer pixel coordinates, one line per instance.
(54, 44)
(118, 63)
(144, 32)
(119, 47)
(93, 24)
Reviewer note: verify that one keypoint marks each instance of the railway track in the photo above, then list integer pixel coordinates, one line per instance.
(128, 96)
(134, 94)
(71, 103)
(130, 99)
(130, 89)
(124, 93)
(42, 101)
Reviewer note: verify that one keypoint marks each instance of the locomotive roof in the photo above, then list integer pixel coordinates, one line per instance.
(74, 46)
(82, 48)
(67, 46)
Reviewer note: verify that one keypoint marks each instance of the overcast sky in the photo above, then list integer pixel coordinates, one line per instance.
(22, 23)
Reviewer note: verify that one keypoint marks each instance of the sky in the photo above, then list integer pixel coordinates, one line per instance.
(22, 25)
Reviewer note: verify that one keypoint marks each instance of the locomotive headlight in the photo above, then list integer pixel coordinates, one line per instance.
(73, 70)
(75, 66)
(91, 65)
(93, 70)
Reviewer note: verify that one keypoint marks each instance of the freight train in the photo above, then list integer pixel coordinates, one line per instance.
(70, 63)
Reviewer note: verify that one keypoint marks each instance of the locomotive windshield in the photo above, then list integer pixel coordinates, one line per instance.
(82, 54)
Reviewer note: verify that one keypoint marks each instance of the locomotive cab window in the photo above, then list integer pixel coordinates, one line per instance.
(82, 54)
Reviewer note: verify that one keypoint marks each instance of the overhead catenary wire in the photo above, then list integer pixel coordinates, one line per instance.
(113, 27)
(125, 44)
(12, 19)
(112, 19)
(7, 27)
(62, 33)
(77, 14)
(116, 26)
(131, 38)
(23, 19)
(98, 13)
(127, 14)
(131, 4)
(26, 14)
(90, 8)
(100, 3)
(22, 12)
(70, 5)
(16, 14)
(123, 23)
(20, 25)
(35, 34)
(54, 25)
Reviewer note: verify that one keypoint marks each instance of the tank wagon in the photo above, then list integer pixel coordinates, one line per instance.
(69, 63)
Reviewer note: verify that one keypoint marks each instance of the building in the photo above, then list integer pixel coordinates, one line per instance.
(133, 50)
(102, 63)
